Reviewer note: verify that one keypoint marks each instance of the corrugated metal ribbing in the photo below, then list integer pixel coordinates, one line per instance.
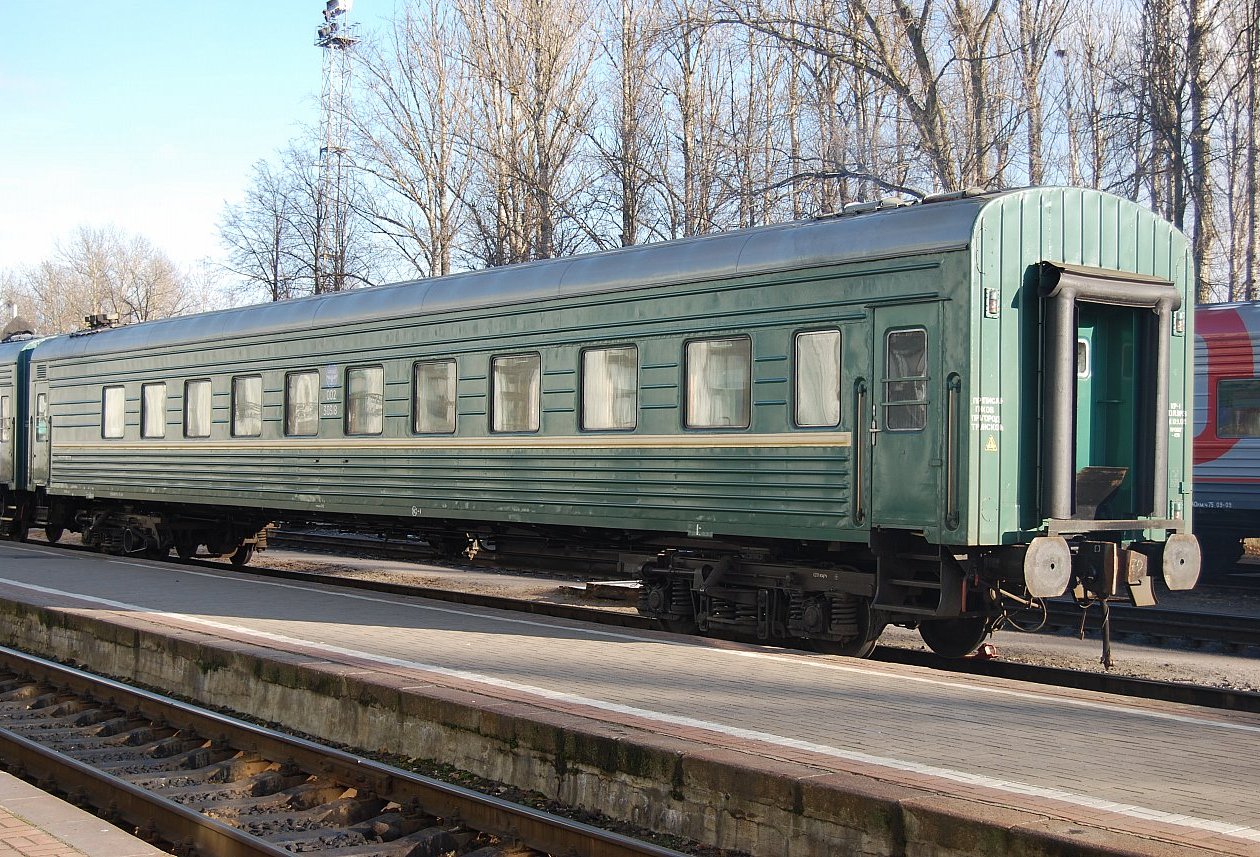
(795, 490)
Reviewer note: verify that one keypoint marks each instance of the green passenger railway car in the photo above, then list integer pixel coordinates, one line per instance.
(925, 415)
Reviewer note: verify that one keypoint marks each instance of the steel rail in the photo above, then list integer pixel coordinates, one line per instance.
(1225, 629)
(140, 808)
(514, 822)
(1221, 628)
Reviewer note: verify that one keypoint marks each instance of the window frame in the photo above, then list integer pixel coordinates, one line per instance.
(6, 415)
(1220, 425)
(209, 411)
(924, 403)
(638, 386)
(345, 378)
(288, 412)
(247, 377)
(122, 431)
(415, 395)
(795, 380)
(493, 410)
(686, 382)
(144, 410)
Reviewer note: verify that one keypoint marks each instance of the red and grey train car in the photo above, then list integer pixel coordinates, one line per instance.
(1227, 431)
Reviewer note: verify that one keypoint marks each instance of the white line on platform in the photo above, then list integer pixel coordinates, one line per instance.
(1010, 787)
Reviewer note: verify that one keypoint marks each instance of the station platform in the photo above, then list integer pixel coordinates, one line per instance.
(756, 749)
(34, 823)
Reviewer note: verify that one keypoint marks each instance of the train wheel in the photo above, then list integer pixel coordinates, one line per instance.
(186, 550)
(21, 525)
(862, 644)
(54, 534)
(858, 647)
(242, 555)
(954, 638)
(680, 626)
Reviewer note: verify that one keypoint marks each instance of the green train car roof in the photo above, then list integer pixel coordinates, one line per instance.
(909, 230)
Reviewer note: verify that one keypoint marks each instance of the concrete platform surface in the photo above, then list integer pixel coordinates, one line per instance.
(34, 823)
(1158, 771)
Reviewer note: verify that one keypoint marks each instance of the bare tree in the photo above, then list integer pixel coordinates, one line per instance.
(692, 85)
(1030, 39)
(259, 237)
(274, 237)
(632, 129)
(105, 270)
(411, 125)
(531, 61)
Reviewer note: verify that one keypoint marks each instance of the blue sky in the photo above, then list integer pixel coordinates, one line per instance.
(147, 114)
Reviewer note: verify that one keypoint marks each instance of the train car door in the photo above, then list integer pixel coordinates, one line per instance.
(1107, 397)
(904, 419)
(7, 405)
(41, 436)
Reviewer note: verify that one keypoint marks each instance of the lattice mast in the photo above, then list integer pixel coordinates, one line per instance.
(336, 38)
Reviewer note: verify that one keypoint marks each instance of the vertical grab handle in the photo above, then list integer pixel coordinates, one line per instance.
(953, 431)
(858, 487)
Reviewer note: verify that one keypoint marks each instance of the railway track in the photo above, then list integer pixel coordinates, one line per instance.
(560, 561)
(214, 786)
(1235, 632)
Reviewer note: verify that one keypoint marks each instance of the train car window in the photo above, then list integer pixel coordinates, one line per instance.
(247, 406)
(42, 423)
(610, 388)
(365, 400)
(516, 383)
(719, 383)
(433, 392)
(6, 420)
(905, 381)
(301, 404)
(1083, 367)
(113, 403)
(197, 408)
(1238, 408)
(153, 410)
(817, 378)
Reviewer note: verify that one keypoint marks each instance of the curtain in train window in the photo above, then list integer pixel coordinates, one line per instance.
(197, 409)
(247, 406)
(610, 388)
(301, 404)
(517, 383)
(112, 412)
(6, 425)
(153, 410)
(1238, 408)
(719, 383)
(818, 378)
(433, 397)
(905, 380)
(365, 400)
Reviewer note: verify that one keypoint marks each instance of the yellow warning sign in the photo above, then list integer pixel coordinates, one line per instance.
(990, 445)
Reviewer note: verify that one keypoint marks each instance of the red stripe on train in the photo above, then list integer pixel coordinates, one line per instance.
(1229, 354)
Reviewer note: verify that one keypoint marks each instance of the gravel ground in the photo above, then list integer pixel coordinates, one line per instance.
(1131, 657)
